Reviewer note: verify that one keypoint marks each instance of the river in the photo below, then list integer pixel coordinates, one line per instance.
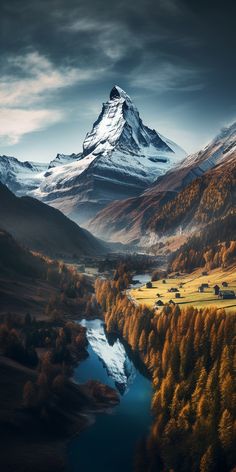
(109, 444)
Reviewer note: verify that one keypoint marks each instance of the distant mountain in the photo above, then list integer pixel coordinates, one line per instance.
(201, 187)
(45, 229)
(21, 177)
(63, 159)
(121, 157)
(24, 177)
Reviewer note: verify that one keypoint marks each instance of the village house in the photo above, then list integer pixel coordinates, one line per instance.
(216, 289)
(149, 285)
(159, 303)
(226, 294)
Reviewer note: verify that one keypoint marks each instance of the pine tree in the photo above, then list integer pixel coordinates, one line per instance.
(226, 430)
(207, 461)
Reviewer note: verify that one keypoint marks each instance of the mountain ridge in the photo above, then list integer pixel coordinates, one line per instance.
(43, 228)
(132, 218)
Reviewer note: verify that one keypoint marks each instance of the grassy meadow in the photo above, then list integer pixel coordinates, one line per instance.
(188, 288)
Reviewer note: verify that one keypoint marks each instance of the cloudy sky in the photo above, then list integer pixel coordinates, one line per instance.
(60, 58)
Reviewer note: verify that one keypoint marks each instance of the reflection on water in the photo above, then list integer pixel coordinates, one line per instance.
(109, 444)
(119, 368)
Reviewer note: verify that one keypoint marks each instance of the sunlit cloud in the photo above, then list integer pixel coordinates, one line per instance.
(35, 77)
(25, 87)
(15, 122)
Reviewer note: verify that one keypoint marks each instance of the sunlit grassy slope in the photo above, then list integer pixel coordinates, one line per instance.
(189, 292)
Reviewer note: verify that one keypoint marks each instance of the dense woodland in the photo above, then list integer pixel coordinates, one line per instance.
(213, 247)
(207, 198)
(190, 355)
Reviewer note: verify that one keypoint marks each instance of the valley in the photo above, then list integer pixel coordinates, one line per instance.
(120, 334)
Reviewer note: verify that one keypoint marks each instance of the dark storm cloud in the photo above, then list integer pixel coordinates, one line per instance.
(178, 52)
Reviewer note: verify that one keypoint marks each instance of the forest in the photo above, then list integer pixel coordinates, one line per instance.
(206, 199)
(210, 248)
(190, 356)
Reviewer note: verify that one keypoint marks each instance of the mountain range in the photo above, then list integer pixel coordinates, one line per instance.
(121, 157)
(128, 184)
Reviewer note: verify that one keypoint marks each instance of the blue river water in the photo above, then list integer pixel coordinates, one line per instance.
(109, 444)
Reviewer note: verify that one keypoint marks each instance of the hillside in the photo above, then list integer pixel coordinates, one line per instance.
(44, 229)
(211, 196)
(214, 246)
(16, 259)
(191, 192)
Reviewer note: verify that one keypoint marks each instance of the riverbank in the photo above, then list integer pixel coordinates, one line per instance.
(39, 440)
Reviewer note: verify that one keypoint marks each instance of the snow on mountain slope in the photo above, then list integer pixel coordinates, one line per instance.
(121, 157)
(21, 177)
(24, 177)
(63, 159)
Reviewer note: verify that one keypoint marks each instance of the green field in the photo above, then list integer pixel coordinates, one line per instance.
(189, 294)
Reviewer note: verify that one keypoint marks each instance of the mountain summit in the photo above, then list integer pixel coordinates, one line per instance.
(120, 127)
(120, 158)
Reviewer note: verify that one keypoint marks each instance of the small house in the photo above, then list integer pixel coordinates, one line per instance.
(205, 285)
(226, 294)
(171, 302)
(177, 295)
(201, 289)
(149, 285)
(159, 303)
(216, 289)
(173, 289)
(224, 284)
(204, 273)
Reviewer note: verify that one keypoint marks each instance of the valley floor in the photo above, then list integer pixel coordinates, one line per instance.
(188, 288)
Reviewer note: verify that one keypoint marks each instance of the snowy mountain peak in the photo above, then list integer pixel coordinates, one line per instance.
(118, 92)
(121, 157)
(120, 128)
